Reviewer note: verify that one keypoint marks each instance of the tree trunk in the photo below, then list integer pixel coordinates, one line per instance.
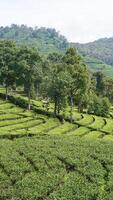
(29, 101)
(80, 107)
(37, 91)
(71, 113)
(58, 109)
(26, 90)
(55, 108)
(6, 93)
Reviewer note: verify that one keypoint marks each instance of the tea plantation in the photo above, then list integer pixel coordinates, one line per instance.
(44, 159)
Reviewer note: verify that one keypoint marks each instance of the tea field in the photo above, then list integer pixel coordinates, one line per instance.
(44, 159)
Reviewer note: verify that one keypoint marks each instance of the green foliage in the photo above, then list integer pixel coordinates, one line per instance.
(55, 87)
(97, 55)
(56, 168)
(46, 40)
(108, 88)
(99, 106)
(101, 49)
(71, 57)
(78, 80)
(29, 66)
(47, 159)
(7, 64)
(54, 58)
(95, 65)
(100, 84)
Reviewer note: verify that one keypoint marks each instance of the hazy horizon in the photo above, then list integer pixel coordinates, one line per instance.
(78, 20)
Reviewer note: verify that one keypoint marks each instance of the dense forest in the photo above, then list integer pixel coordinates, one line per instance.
(46, 40)
(101, 49)
(97, 55)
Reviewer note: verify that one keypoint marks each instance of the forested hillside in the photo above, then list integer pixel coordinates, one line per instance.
(46, 40)
(101, 49)
(98, 55)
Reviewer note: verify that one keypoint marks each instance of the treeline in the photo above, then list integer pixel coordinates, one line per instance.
(59, 79)
(46, 40)
(101, 49)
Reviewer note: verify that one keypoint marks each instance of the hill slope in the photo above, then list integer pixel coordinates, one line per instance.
(47, 160)
(101, 49)
(98, 55)
(46, 40)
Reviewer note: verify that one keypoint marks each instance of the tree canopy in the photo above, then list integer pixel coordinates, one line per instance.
(61, 79)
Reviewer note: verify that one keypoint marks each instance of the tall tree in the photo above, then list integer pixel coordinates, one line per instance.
(7, 64)
(77, 76)
(108, 89)
(29, 65)
(55, 87)
(100, 83)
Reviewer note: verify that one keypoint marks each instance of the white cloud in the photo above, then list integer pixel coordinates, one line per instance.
(78, 20)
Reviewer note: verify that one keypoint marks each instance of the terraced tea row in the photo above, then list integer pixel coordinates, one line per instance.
(17, 122)
(51, 168)
(97, 125)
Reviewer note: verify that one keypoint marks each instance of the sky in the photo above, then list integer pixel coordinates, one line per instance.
(78, 20)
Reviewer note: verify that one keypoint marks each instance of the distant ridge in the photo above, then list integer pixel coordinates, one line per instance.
(101, 49)
(46, 40)
(98, 55)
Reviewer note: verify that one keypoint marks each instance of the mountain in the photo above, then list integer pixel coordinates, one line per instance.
(101, 49)
(98, 55)
(46, 40)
